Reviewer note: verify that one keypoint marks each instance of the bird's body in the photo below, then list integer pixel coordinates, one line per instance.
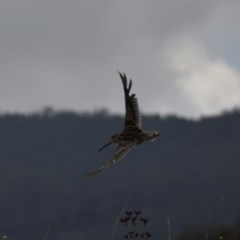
(137, 136)
(132, 133)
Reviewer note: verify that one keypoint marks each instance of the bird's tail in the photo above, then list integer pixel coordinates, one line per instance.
(104, 146)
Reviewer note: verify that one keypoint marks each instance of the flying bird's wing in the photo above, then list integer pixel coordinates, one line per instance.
(121, 151)
(132, 117)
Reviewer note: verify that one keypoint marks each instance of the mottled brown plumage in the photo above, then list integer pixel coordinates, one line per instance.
(132, 133)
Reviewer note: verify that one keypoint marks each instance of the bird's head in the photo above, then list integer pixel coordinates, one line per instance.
(152, 135)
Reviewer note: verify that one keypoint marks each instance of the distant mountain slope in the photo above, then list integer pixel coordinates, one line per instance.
(43, 159)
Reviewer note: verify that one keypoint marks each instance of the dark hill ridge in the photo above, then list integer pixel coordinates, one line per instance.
(43, 159)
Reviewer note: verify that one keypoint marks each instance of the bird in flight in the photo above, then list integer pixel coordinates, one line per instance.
(131, 135)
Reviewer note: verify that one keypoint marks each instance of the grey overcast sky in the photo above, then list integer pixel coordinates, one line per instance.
(182, 55)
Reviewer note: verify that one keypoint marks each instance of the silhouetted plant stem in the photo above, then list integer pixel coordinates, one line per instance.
(210, 217)
(47, 232)
(168, 225)
(117, 222)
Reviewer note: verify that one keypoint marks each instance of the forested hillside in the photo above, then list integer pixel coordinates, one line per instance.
(44, 156)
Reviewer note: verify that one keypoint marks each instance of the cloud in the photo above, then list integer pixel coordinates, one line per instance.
(208, 84)
(66, 53)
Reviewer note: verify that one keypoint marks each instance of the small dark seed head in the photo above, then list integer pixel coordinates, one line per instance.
(144, 220)
(137, 212)
(128, 213)
(148, 235)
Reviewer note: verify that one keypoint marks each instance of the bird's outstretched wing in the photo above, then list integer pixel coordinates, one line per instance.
(121, 151)
(132, 117)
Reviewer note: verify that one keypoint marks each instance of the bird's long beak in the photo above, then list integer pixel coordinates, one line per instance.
(104, 146)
